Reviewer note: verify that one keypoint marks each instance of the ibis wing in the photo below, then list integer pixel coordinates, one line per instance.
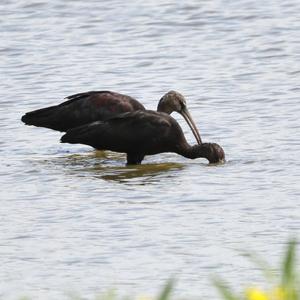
(138, 132)
(107, 100)
(82, 108)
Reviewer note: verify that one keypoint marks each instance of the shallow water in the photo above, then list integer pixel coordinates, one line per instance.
(74, 220)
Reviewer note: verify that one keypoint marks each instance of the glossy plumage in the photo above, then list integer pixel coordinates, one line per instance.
(93, 106)
(141, 133)
(81, 109)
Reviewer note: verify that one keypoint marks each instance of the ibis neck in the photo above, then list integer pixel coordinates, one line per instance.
(162, 107)
(211, 151)
(192, 152)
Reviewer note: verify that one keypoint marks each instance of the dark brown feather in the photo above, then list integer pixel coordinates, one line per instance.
(82, 108)
(141, 133)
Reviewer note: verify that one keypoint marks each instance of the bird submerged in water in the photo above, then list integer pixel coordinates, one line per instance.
(85, 108)
(141, 133)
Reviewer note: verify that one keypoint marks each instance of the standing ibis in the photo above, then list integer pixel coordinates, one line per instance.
(84, 108)
(141, 133)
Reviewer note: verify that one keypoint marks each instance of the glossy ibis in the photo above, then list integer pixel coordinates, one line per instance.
(93, 106)
(81, 109)
(141, 133)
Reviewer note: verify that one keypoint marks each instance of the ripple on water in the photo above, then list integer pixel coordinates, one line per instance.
(69, 211)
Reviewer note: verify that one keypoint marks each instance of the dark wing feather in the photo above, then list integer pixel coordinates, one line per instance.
(143, 132)
(82, 108)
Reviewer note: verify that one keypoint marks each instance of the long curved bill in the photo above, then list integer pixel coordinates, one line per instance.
(187, 116)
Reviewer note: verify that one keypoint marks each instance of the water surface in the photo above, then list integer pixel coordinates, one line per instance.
(74, 220)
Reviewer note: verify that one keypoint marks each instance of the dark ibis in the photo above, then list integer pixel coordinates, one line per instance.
(84, 108)
(141, 133)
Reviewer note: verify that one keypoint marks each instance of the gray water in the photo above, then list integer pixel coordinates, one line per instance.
(77, 221)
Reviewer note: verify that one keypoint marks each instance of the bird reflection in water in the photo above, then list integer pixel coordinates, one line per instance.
(91, 164)
(149, 172)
